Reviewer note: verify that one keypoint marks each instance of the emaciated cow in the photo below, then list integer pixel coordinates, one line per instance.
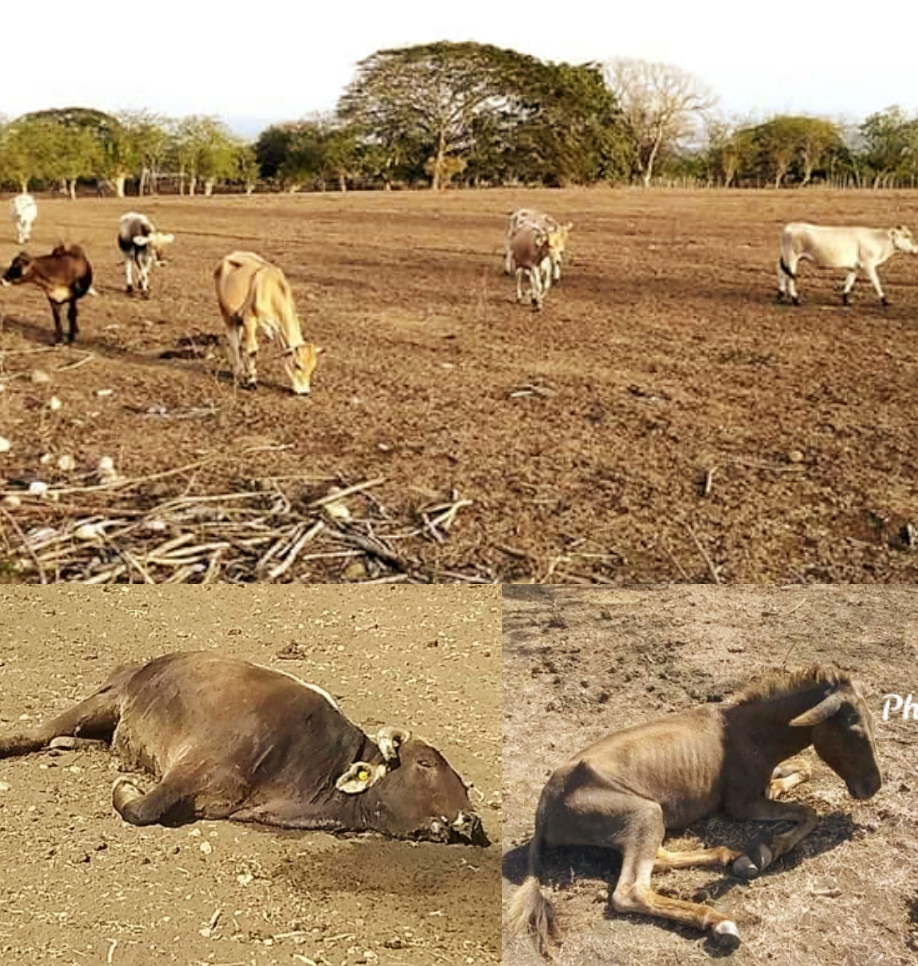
(254, 294)
(558, 235)
(850, 248)
(23, 211)
(141, 247)
(232, 740)
(625, 790)
(65, 276)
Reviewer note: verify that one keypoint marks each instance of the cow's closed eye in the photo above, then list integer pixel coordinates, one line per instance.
(425, 763)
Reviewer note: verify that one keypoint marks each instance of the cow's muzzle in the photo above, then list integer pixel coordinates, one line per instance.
(464, 830)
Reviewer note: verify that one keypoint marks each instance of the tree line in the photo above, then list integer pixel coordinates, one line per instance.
(468, 114)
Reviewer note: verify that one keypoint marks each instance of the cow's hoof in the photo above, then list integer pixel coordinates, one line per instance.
(727, 928)
(124, 791)
(751, 865)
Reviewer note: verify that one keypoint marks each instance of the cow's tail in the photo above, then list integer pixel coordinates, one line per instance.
(529, 910)
(784, 268)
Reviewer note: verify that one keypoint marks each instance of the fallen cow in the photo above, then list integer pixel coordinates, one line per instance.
(232, 740)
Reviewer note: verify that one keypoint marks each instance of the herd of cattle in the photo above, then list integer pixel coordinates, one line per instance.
(254, 296)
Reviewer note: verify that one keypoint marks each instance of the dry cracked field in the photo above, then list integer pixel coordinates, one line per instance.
(582, 662)
(570, 446)
(80, 886)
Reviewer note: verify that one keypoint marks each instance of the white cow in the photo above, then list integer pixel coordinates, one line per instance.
(851, 248)
(23, 211)
(531, 253)
(141, 245)
(559, 234)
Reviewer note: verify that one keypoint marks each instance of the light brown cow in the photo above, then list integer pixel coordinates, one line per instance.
(254, 294)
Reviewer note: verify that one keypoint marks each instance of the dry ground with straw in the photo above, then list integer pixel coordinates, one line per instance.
(663, 418)
(579, 663)
(80, 886)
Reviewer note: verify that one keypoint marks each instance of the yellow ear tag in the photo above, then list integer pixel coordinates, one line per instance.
(363, 775)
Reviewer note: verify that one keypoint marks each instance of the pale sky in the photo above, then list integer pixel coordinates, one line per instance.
(261, 63)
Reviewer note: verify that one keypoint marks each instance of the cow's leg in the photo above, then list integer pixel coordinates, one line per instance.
(250, 352)
(519, 283)
(763, 854)
(849, 284)
(171, 802)
(73, 328)
(143, 276)
(535, 286)
(94, 718)
(128, 274)
(58, 327)
(871, 273)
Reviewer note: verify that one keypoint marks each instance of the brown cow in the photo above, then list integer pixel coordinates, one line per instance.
(254, 294)
(232, 740)
(65, 276)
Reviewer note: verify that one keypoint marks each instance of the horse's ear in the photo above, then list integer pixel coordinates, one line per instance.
(822, 712)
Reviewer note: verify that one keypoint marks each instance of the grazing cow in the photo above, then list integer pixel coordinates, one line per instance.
(141, 246)
(23, 211)
(831, 247)
(530, 249)
(227, 739)
(558, 235)
(625, 790)
(254, 294)
(65, 276)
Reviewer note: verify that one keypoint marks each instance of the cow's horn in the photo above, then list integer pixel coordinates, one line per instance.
(359, 777)
(389, 739)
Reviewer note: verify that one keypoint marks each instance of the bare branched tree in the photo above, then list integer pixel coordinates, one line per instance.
(661, 105)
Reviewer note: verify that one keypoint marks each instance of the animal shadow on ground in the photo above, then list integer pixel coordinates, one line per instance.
(565, 867)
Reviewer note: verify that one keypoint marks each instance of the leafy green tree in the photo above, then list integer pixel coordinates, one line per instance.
(428, 96)
(890, 146)
(204, 150)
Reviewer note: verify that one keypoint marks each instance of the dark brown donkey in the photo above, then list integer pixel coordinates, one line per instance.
(624, 791)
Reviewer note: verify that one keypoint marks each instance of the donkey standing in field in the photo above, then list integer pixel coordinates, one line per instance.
(625, 790)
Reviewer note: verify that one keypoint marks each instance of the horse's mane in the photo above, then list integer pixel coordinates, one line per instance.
(784, 682)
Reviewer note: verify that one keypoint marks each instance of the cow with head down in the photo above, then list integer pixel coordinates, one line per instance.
(227, 739)
(141, 246)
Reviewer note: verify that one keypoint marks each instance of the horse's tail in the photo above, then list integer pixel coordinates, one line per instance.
(529, 910)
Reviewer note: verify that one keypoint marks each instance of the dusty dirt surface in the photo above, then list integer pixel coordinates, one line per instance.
(580, 663)
(663, 419)
(81, 886)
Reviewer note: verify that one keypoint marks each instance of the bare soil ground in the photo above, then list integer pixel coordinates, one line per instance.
(80, 886)
(582, 436)
(582, 662)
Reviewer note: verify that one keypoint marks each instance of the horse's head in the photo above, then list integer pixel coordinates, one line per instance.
(843, 737)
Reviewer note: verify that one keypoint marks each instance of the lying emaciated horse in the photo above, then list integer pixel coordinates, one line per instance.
(625, 790)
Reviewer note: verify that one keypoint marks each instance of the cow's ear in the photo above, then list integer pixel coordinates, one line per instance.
(359, 777)
(389, 739)
(141, 240)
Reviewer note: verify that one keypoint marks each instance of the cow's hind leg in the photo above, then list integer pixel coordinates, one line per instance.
(720, 855)
(171, 802)
(94, 718)
(849, 284)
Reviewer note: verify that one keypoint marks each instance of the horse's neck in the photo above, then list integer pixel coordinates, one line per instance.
(768, 719)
